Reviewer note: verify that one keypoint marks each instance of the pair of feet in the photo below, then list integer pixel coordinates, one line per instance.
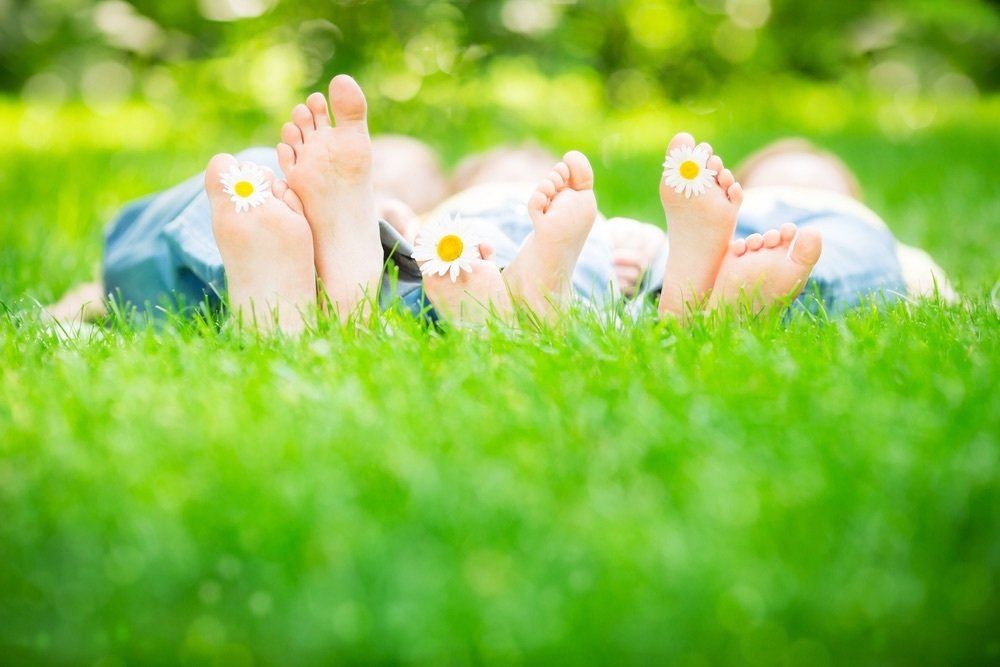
(320, 222)
(706, 269)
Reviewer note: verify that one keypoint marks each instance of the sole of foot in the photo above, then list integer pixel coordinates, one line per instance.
(330, 169)
(563, 210)
(765, 270)
(699, 229)
(475, 296)
(267, 251)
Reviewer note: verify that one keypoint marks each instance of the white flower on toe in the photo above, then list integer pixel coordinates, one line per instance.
(247, 185)
(443, 246)
(685, 170)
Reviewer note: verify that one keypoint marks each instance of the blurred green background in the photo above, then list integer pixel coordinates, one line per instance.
(822, 494)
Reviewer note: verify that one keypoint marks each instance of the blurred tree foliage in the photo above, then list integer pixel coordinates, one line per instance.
(112, 49)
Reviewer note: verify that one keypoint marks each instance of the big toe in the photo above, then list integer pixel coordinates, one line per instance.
(581, 174)
(681, 139)
(807, 247)
(218, 166)
(347, 100)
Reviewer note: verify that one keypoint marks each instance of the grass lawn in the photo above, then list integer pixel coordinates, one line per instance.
(818, 493)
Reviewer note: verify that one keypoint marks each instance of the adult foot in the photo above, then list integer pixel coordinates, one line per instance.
(329, 168)
(699, 229)
(562, 210)
(267, 250)
(766, 269)
(474, 296)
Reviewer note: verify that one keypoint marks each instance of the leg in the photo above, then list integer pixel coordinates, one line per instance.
(699, 228)
(330, 169)
(267, 251)
(766, 269)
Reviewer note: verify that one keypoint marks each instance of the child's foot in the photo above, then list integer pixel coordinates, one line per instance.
(329, 168)
(562, 210)
(267, 251)
(767, 268)
(474, 296)
(699, 229)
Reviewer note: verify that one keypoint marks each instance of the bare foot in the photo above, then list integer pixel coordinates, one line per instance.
(765, 269)
(82, 304)
(329, 168)
(562, 210)
(267, 250)
(475, 295)
(699, 229)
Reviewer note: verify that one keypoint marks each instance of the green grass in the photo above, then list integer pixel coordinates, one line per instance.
(817, 493)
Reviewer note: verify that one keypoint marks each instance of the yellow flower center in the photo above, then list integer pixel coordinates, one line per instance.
(450, 248)
(689, 169)
(243, 189)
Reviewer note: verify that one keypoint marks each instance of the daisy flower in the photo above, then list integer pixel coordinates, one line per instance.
(444, 247)
(247, 185)
(685, 170)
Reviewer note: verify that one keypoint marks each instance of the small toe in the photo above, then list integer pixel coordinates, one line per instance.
(738, 247)
(286, 157)
(293, 201)
(715, 164)
(563, 171)
(278, 188)
(303, 119)
(726, 179)
(557, 179)
(547, 188)
(317, 105)
(788, 232)
(772, 238)
(807, 247)
(755, 242)
(705, 147)
(735, 193)
(487, 251)
(291, 134)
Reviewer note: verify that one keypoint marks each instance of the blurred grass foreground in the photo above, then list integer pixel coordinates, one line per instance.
(817, 492)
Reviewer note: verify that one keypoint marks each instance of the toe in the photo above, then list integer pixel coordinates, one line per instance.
(487, 251)
(303, 119)
(725, 178)
(680, 139)
(807, 247)
(581, 174)
(557, 179)
(291, 134)
(755, 242)
(788, 232)
(278, 188)
(547, 188)
(735, 193)
(704, 147)
(293, 201)
(715, 164)
(317, 106)
(563, 171)
(217, 167)
(772, 238)
(537, 203)
(347, 100)
(286, 157)
(738, 247)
